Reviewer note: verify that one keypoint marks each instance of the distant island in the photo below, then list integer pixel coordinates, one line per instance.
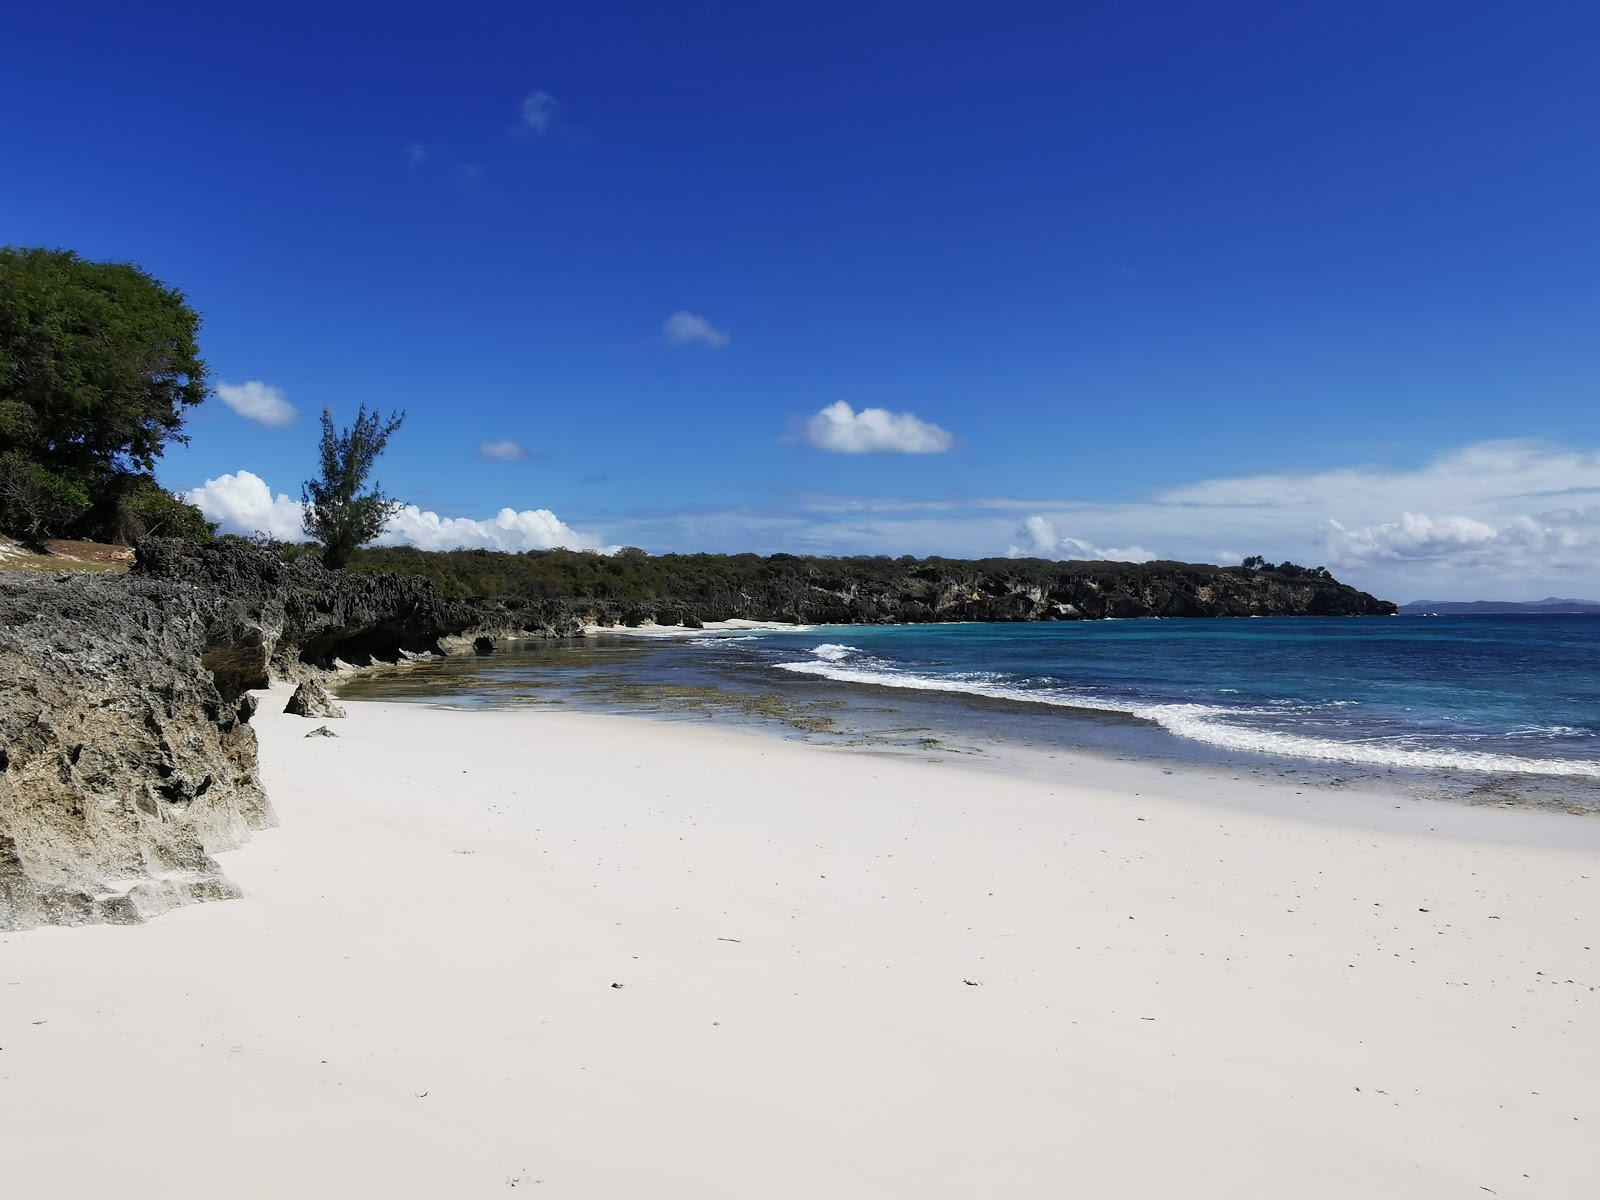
(1549, 606)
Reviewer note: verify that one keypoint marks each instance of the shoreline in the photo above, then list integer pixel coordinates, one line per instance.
(1002, 732)
(414, 997)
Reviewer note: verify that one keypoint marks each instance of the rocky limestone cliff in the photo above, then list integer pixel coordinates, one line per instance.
(790, 590)
(285, 620)
(126, 756)
(123, 767)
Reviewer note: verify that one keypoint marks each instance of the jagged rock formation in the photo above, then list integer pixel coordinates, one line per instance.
(123, 766)
(281, 618)
(126, 756)
(287, 617)
(311, 699)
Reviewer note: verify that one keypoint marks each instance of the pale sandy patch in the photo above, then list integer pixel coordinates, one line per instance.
(843, 975)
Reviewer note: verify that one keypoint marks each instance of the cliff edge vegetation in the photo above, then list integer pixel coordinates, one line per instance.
(553, 589)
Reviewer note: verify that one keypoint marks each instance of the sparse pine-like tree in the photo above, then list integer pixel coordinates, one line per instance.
(337, 513)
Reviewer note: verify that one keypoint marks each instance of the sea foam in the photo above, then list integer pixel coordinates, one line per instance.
(1204, 723)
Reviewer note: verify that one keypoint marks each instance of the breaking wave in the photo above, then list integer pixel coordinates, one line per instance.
(1212, 725)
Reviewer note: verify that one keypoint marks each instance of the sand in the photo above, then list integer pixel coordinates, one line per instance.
(595, 956)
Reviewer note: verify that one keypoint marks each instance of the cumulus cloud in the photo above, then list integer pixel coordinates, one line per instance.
(1565, 538)
(244, 504)
(839, 429)
(1042, 540)
(531, 529)
(256, 401)
(681, 328)
(1539, 503)
(539, 111)
(502, 450)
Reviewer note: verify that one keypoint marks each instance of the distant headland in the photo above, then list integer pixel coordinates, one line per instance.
(1549, 606)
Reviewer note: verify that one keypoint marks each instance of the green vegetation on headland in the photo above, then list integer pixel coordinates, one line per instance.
(632, 587)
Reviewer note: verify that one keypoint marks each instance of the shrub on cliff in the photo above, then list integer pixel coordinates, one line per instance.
(98, 365)
(146, 509)
(35, 502)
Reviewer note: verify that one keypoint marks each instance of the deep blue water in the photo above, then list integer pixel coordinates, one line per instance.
(1518, 695)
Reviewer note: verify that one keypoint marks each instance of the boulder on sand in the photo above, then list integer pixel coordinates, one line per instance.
(311, 699)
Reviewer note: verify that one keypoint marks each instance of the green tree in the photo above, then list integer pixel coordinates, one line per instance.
(337, 513)
(98, 364)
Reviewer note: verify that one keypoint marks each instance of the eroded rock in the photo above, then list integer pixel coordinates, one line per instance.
(311, 699)
(291, 619)
(123, 768)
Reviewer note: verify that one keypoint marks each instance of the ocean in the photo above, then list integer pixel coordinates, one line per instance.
(1487, 707)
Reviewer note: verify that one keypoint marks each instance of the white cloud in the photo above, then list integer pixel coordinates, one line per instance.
(244, 504)
(1043, 541)
(502, 450)
(531, 529)
(255, 401)
(681, 328)
(1560, 539)
(839, 429)
(1540, 503)
(539, 111)
(416, 153)
(1496, 520)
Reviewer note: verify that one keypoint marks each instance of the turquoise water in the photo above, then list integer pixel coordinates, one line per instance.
(1475, 702)
(1511, 695)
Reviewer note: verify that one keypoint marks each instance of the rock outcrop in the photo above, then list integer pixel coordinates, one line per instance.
(286, 619)
(311, 699)
(784, 588)
(126, 756)
(123, 766)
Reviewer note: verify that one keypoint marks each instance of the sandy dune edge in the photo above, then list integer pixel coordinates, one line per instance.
(1169, 997)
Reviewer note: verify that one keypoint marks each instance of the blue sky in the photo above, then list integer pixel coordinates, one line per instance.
(1314, 280)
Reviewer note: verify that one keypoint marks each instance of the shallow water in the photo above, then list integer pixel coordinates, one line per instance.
(1493, 709)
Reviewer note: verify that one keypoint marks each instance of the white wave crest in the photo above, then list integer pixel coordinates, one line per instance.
(1195, 722)
(1208, 724)
(834, 651)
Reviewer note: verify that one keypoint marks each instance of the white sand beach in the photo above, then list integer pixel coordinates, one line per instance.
(593, 956)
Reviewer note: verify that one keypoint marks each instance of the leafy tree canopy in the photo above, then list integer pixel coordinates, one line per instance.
(337, 513)
(98, 363)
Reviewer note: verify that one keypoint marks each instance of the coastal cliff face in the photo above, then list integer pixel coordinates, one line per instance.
(689, 590)
(126, 756)
(287, 619)
(1043, 592)
(123, 766)
(290, 618)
